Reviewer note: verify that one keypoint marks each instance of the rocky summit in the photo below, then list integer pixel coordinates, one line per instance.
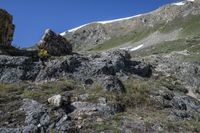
(139, 74)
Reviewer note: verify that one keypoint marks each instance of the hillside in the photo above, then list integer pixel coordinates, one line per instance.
(170, 22)
(139, 74)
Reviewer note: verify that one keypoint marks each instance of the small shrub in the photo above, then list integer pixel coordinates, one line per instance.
(43, 54)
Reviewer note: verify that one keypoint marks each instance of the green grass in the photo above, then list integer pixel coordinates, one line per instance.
(136, 93)
(189, 25)
(9, 88)
(129, 38)
(96, 91)
(165, 47)
(192, 58)
(190, 44)
(105, 127)
(44, 91)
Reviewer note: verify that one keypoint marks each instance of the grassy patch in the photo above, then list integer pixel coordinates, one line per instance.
(96, 91)
(129, 38)
(182, 125)
(44, 91)
(136, 93)
(12, 88)
(190, 44)
(192, 58)
(189, 25)
(105, 127)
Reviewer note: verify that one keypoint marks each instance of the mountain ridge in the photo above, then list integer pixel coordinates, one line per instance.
(92, 35)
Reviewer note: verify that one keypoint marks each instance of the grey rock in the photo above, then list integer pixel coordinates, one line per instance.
(80, 67)
(181, 105)
(54, 69)
(111, 83)
(30, 129)
(187, 72)
(10, 130)
(90, 108)
(55, 44)
(83, 97)
(36, 115)
(56, 100)
(14, 69)
(65, 126)
(93, 34)
(142, 69)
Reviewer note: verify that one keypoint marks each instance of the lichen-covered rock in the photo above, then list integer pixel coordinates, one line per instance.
(55, 100)
(80, 67)
(55, 44)
(6, 28)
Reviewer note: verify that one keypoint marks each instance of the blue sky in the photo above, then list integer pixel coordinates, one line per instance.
(32, 17)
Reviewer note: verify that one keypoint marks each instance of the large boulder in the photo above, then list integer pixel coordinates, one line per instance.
(55, 44)
(6, 28)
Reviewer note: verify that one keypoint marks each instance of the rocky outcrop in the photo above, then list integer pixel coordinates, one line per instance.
(188, 72)
(181, 105)
(55, 44)
(93, 34)
(14, 69)
(86, 68)
(6, 28)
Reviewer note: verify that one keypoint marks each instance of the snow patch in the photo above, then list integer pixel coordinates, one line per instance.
(136, 48)
(131, 48)
(62, 34)
(126, 48)
(74, 29)
(191, 0)
(179, 3)
(116, 20)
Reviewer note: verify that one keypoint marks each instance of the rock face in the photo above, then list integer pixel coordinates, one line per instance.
(86, 68)
(92, 34)
(55, 44)
(6, 28)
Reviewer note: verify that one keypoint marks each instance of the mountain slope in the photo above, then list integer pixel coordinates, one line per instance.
(154, 89)
(104, 35)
